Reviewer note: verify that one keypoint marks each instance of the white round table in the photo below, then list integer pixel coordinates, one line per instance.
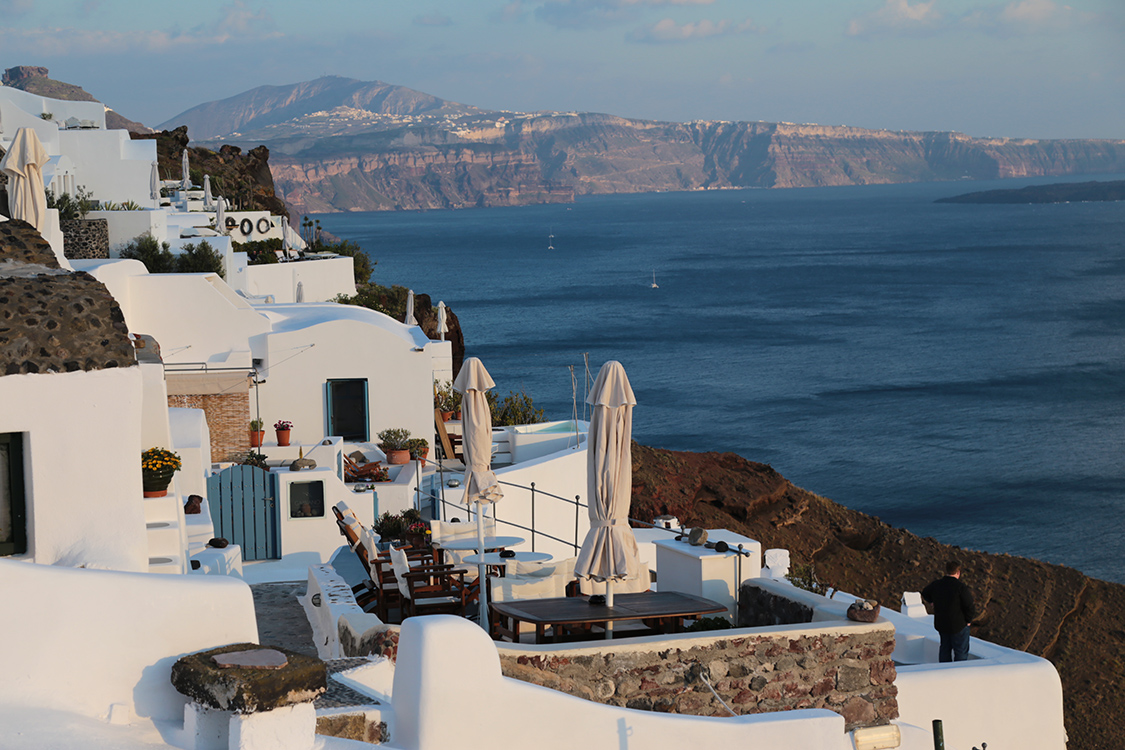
(493, 558)
(469, 543)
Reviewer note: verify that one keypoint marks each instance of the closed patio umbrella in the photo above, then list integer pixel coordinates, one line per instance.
(185, 183)
(409, 317)
(442, 327)
(609, 551)
(221, 216)
(23, 164)
(154, 182)
(285, 235)
(207, 199)
(481, 484)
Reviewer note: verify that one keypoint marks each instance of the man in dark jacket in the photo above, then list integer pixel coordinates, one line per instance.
(953, 611)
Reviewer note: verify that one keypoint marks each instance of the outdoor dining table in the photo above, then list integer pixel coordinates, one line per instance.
(494, 560)
(663, 611)
(469, 543)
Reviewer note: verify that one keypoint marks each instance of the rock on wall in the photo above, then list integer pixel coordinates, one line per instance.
(85, 239)
(849, 673)
(53, 320)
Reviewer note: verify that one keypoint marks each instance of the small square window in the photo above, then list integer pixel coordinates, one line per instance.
(306, 500)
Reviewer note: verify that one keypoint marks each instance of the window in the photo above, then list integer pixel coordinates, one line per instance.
(347, 409)
(306, 500)
(13, 521)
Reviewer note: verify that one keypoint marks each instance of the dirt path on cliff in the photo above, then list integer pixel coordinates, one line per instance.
(1076, 622)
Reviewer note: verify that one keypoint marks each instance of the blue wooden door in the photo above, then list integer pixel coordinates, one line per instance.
(244, 510)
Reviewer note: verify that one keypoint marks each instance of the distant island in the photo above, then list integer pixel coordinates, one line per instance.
(1067, 192)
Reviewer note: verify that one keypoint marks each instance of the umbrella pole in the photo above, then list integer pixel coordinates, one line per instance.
(482, 570)
(609, 603)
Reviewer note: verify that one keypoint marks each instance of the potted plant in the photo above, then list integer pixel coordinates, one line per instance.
(419, 448)
(157, 467)
(393, 442)
(257, 434)
(283, 426)
(446, 400)
(418, 534)
(390, 527)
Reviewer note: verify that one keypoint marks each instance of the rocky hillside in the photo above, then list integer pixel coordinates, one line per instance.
(1049, 610)
(551, 158)
(34, 80)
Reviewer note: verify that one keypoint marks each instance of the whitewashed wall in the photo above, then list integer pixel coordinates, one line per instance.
(442, 659)
(311, 344)
(562, 474)
(321, 280)
(82, 465)
(110, 165)
(192, 440)
(194, 317)
(82, 640)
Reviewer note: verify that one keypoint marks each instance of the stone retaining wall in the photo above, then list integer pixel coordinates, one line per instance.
(85, 239)
(842, 668)
(759, 608)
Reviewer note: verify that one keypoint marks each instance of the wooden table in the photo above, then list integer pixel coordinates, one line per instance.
(663, 611)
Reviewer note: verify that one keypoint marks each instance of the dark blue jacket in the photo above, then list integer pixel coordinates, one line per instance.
(953, 604)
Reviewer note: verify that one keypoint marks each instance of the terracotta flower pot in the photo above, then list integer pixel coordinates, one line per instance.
(398, 457)
(283, 437)
(446, 416)
(256, 437)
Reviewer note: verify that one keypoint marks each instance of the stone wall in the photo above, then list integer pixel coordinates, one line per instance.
(759, 608)
(228, 421)
(52, 320)
(845, 669)
(85, 239)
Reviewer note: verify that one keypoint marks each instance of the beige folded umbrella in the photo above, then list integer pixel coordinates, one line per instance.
(27, 199)
(609, 553)
(481, 484)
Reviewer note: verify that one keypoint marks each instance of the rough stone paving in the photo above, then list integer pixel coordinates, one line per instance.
(51, 320)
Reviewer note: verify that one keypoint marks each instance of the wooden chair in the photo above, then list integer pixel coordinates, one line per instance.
(428, 589)
(449, 444)
(354, 472)
(512, 588)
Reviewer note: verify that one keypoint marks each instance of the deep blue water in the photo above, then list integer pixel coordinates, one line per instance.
(956, 370)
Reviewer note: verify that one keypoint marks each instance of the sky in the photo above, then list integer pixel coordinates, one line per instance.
(1003, 68)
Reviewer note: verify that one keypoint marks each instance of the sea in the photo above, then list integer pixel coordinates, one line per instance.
(956, 370)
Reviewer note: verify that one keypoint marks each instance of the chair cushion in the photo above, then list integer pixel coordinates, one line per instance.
(511, 588)
(402, 567)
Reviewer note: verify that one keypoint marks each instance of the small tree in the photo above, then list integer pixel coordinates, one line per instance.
(361, 261)
(157, 256)
(514, 409)
(200, 258)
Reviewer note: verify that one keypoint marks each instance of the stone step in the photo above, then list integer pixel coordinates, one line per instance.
(163, 538)
(165, 508)
(166, 564)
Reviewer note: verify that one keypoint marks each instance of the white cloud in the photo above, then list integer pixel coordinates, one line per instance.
(668, 30)
(1023, 17)
(897, 16)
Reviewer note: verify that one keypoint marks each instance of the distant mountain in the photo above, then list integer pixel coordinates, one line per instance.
(267, 106)
(338, 144)
(1067, 192)
(34, 80)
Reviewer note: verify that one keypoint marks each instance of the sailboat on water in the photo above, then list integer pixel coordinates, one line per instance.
(551, 240)
(654, 284)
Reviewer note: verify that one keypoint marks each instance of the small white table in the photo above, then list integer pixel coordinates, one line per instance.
(469, 543)
(493, 558)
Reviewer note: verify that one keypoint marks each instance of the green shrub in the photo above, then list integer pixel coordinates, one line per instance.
(514, 409)
(260, 252)
(200, 257)
(157, 256)
(804, 577)
(394, 439)
(71, 207)
(361, 261)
